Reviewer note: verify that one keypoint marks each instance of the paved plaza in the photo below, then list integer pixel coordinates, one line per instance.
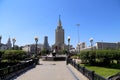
(52, 70)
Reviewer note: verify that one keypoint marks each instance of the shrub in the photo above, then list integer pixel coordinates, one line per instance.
(74, 57)
(13, 55)
(84, 55)
(44, 52)
(63, 52)
(1, 53)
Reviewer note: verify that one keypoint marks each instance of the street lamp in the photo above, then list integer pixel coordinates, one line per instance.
(78, 25)
(0, 41)
(14, 40)
(79, 47)
(102, 45)
(68, 43)
(91, 41)
(36, 40)
(28, 48)
(68, 54)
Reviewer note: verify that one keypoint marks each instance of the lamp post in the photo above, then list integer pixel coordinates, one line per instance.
(68, 44)
(78, 25)
(0, 42)
(102, 45)
(91, 41)
(36, 40)
(28, 48)
(68, 54)
(14, 40)
(79, 47)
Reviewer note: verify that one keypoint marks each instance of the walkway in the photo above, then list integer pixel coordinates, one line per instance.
(52, 70)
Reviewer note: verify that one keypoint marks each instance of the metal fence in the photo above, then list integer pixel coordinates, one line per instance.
(91, 75)
(11, 71)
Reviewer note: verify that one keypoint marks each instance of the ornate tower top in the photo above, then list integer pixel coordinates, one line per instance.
(59, 22)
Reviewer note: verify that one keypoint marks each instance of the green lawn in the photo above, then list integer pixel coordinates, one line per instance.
(103, 71)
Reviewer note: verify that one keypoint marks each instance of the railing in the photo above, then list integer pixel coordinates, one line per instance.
(11, 71)
(91, 75)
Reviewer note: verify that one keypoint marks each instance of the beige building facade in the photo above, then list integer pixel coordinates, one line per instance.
(107, 45)
(103, 46)
(59, 37)
(81, 46)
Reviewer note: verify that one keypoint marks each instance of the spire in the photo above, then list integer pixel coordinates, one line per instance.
(59, 23)
(9, 39)
(9, 44)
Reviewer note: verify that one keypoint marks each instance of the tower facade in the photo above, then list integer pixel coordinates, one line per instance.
(59, 34)
(46, 45)
(59, 37)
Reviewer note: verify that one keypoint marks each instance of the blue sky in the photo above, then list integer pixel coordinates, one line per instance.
(24, 19)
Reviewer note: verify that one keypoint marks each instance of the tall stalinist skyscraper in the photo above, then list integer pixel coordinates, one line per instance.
(59, 37)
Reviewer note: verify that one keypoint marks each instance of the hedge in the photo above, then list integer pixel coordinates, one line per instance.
(12, 55)
(105, 56)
